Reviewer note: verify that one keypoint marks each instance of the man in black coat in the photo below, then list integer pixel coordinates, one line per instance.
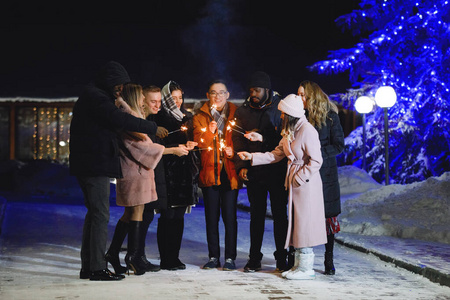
(260, 113)
(94, 159)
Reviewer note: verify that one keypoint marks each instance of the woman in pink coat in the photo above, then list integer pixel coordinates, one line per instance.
(301, 145)
(138, 158)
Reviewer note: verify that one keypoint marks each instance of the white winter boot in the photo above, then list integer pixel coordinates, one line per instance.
(305, 269)
(296, 263)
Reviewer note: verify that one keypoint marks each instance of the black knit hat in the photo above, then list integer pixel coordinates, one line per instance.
(259, 79)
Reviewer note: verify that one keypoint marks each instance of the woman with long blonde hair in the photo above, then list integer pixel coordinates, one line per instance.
(323, 115)
(138, 158)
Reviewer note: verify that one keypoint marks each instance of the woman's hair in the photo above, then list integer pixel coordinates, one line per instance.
(289, 123)
(131, 93)
(317, 103)
(175, 87)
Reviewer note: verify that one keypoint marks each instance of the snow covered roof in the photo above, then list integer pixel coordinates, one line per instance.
(30, 99)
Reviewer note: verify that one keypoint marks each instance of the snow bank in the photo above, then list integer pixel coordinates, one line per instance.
(420, 210)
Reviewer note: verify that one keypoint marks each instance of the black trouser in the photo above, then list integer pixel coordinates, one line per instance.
(96, 192)
(170, 233)
(217, 199)
(257, 196)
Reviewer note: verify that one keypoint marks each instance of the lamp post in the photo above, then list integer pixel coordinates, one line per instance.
(386, 97)
(364, 105)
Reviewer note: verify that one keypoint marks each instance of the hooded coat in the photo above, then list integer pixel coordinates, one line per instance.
(94, 149)
(138, 159)
(212, 160)
(306, 207)
(267, 122)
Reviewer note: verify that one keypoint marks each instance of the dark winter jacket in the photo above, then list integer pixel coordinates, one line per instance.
(160, 174)
(331, 138)
(94, 147)
(181, 173)
(266, 121)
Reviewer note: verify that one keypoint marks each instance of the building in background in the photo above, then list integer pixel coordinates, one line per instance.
(32, 128)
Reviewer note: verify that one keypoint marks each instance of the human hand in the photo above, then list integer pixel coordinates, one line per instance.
(254, 136)
(161, 132)
(244, 155)
(181, 150)
(229, 152)
(191, 145)
(243, 174)
(213, 126)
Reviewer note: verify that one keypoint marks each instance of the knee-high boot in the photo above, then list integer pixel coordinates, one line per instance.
(133, 258)
(147, 220)
(329, 265)
(172, 243)
(177, 229)
(112, 255)
(162, 236)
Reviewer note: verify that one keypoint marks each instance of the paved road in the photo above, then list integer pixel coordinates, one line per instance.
(39, 259)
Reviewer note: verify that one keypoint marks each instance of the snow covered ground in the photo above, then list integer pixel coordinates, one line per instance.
(420, 210)
(40, 243)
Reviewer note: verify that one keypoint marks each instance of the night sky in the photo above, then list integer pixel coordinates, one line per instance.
(54, 50)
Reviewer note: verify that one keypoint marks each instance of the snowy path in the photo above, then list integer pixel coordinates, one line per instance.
(39, 259)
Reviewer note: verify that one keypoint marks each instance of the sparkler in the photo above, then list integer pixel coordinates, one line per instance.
(233, 123)
(202, 149)
(231, 128)
(182, 128)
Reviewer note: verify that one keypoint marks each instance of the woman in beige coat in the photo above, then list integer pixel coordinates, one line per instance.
(301, 145)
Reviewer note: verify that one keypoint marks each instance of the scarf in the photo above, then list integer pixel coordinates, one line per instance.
(220, 118)
(169, 104)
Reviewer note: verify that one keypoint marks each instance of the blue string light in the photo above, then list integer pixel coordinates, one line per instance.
(408, 51)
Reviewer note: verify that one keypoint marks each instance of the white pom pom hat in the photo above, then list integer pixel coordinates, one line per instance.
(292, 105)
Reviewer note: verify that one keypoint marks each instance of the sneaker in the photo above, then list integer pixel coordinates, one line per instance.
(252, 266)
(229, 265)
(212, 264)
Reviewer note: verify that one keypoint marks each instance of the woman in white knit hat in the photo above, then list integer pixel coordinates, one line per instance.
(301, 145)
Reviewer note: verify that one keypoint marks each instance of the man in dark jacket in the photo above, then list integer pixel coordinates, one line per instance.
(260, 113)
(94, 159)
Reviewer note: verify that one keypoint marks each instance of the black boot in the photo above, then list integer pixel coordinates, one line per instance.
(175, 242)
(291, 257)
(281, 258)
(162, 235)
(147, 219)
(112, 255)
(329, 265)
(172, 229)
(133, 258)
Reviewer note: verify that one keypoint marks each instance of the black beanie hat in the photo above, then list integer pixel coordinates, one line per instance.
(260, 79)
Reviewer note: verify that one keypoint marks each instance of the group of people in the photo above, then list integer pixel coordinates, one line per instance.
(160, 154)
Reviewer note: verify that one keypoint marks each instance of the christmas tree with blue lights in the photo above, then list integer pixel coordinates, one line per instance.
(406, 46)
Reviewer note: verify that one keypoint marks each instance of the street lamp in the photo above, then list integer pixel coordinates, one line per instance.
(386, 97)
(364, 105)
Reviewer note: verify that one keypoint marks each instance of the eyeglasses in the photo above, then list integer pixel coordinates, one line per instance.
(221, 93)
